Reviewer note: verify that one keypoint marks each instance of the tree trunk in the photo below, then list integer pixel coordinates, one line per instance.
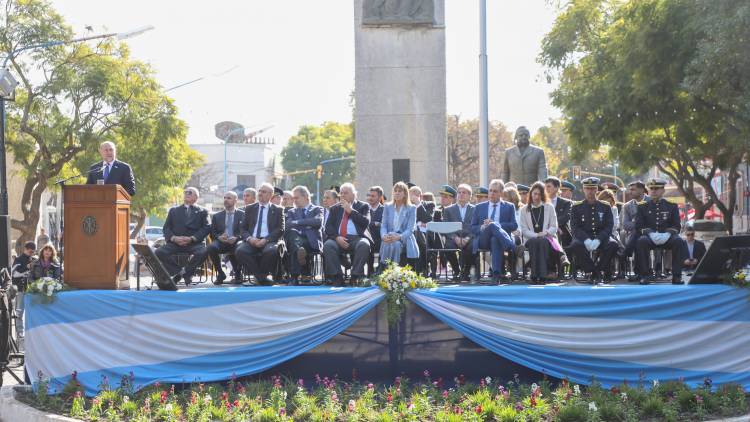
(30, 202)
(140, 219)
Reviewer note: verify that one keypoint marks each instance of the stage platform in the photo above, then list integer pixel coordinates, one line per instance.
(612, 333)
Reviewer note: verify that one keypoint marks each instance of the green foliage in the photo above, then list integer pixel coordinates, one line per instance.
(74, 96)
(637, 77)
(313, 144)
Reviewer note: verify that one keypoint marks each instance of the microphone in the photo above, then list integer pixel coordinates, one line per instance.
(62, 181)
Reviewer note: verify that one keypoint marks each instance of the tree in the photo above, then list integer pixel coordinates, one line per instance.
(463, 149)
(313, 144)
(640, 77)
(71, 98)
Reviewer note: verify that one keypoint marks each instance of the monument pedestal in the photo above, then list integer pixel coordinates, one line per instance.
(400, 95)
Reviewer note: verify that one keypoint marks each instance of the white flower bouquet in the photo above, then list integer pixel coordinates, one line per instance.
(45, 288)
(395, 281)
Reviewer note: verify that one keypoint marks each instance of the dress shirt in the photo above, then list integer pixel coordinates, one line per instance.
(264, 225)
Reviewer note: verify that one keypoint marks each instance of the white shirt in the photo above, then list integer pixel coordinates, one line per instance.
(690, 246)
(264, 225)
(462, 211)
(351, 229)
(227, 226)
(554, 202)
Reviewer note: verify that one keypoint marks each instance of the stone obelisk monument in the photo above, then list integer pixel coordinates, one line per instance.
(400, 127)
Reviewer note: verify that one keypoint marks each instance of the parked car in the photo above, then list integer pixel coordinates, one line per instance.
(154, 232)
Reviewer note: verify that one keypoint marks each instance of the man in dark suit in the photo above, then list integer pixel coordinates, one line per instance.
(225, 231)
(692, 250)
(262, 229)
(657, 224)
(347, 230)
(303, 233)
(562, 209)
(592, 224)
(185, 229)
(425, 210)
(375, 202)
(111, 171)
(492, 223)
(462, 211)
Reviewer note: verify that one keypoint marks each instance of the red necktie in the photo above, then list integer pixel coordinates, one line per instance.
(344, 223)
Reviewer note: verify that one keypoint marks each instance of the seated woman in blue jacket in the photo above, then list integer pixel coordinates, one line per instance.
(397, 228)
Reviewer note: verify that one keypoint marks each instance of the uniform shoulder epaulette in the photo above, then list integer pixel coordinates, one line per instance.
(577, 202)
(641, 203)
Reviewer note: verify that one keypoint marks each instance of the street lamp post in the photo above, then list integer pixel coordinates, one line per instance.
(5, 73)
(484, 157)
(320, 172)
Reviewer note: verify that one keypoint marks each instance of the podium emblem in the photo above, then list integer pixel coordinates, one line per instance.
(89, 225)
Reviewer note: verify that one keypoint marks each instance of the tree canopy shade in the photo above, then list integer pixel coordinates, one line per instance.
(662, 82)
(313, 144)
(71, 98)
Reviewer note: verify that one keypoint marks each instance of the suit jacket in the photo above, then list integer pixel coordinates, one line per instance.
(526, 222)
(179, 224)
(376, 219)
(699, 249)
(562, 210)
(425, 211)
(360, 216)
(406, 224)
(309, 225)
(119, 174)
(453, 213)
(525, 168)
(219, 222)
(507, 219)
(275, 221)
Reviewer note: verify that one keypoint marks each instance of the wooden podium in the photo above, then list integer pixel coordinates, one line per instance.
(95, 235)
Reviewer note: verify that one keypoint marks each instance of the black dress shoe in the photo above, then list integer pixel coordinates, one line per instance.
(220, 278)
(596, 277)
(188, 280)
(677, 280)
(177, 278)
(644, 281)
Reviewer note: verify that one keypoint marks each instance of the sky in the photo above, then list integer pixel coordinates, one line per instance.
(289, 63)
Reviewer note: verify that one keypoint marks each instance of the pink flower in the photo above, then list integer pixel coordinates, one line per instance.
(370, 386)
(282, 411)
(300, 382)
(352, 405)
(426, 373)
(445, 394)
(698, 399)
(397, 382)
(75, 374)
(519, 406)
(478, 409)
(389, 398)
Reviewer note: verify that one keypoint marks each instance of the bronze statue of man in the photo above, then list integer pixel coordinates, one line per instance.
(524, 163)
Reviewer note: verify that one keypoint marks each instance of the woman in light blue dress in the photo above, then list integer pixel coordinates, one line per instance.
(397, 228)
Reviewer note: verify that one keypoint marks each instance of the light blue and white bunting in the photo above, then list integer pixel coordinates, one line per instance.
(185, 336)
(612, 333)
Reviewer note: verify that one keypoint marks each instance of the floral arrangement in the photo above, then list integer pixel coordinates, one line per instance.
(741, 278)
(44, 289)
(427, 399)
(396, 281)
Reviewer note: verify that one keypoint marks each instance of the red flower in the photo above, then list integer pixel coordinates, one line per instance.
(478, 409)
(163, 398)
(615, 390)
(389, 398)
(533, 400)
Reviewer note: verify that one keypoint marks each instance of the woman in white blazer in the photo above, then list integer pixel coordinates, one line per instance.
(538, 222)
(397, 228)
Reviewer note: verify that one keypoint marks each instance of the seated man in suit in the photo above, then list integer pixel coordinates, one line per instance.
(657, 224)
(592, 224)
(262, 229)
(225, 231)
(110, 171)
(562, 210)
(462, 211)
(693, 250)
(492, 223)
(304, 231)
(347, 230)
(426, 265)
(185, 230)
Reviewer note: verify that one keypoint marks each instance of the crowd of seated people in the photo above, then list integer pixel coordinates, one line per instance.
(282, 236)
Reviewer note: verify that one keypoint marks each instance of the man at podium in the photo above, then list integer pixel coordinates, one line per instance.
(111, 171)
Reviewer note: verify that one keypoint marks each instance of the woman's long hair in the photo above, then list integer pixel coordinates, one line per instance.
(607, 195)
(543, 195)
(401, 186)
(48, 246)
(512, 196)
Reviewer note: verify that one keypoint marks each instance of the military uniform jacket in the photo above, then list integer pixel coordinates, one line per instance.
(591, 221)
(659, 216)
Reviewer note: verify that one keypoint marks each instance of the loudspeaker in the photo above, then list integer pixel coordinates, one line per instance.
(401, 170)
(726, 254)
(5, 246)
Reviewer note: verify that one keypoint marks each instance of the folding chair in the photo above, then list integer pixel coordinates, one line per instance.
(443, 228)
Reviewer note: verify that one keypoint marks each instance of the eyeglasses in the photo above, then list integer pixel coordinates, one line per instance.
(690, 234)
(188, 192)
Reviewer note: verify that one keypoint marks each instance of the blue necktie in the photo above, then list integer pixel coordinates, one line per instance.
(260, 221)
(106, 172)
(492, 216)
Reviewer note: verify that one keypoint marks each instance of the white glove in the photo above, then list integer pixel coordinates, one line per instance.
(659, 238)
(588, 243)
(595, 244)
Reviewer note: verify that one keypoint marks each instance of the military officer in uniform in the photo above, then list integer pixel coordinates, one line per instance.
(567, 189)
(592, 222)
(657, 224)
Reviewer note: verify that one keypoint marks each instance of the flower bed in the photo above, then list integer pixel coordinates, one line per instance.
(280, 399)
